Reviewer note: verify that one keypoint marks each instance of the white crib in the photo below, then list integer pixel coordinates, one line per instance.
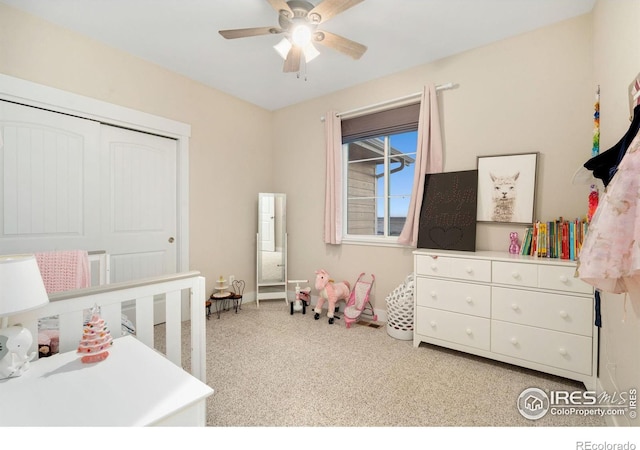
(187, 287)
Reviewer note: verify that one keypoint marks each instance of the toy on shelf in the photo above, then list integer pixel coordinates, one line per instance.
(514, 247)
(221, 289)
(330, 291)
(96, 339)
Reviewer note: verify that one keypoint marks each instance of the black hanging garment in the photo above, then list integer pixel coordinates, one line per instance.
(605, 165)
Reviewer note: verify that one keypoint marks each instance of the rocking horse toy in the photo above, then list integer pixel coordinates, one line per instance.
(330, 291)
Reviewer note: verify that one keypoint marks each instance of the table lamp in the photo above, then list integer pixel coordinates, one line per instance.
(21, 289)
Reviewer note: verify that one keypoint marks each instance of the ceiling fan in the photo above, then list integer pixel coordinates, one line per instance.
(298, 21)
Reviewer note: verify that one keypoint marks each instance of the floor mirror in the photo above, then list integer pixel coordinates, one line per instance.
(271, 244)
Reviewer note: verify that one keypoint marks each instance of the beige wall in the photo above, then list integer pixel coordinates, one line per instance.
(616, 65)
(531, 93)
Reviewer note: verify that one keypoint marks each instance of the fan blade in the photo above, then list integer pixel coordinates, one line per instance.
(329, 8)
(292, 63)
(248, 32)
(281, 5)
(339, 43)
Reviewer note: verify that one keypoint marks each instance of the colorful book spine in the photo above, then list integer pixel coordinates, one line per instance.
(572, 241)
(559, 238)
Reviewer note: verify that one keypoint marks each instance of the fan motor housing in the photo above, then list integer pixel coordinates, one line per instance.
(300, 9)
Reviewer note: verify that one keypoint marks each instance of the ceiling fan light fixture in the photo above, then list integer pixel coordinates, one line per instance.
(301, 35)
(283, 47)
(310, 52)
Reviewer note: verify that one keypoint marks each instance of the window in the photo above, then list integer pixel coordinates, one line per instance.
(379, 152)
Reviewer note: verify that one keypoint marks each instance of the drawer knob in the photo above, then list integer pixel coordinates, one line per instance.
(469, 300)
(515, 275)
(468, 331)
(434, 267)
(564, 314)
(514, 341)
(433, 294)
(515, 306)
(469, 270)
(433, 323)
(562, 351)
(564, 278)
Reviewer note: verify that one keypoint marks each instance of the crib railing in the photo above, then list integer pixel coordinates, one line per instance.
(183, 291)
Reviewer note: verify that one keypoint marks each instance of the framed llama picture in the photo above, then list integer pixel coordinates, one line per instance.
(507, 188)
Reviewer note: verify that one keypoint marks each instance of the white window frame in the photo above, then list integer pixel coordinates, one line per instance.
(388, 241)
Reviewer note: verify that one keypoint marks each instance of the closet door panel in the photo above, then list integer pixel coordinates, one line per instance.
(48, 166)
(140, 203)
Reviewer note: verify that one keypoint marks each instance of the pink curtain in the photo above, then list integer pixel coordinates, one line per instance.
(428, 160)
(333, 188)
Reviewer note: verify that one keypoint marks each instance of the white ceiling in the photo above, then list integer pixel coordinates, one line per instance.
(182, 36)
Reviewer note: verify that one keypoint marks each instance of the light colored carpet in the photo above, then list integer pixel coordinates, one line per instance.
(273, 369)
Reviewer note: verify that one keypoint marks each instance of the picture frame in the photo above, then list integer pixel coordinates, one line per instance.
(507, 188)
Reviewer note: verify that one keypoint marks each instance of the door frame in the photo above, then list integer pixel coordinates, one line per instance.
(40, 96)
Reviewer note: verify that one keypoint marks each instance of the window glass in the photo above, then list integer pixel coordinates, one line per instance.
(379, 175)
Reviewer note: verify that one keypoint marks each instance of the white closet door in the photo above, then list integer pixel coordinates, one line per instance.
(49, 181)
(71, 183)
(140, 203)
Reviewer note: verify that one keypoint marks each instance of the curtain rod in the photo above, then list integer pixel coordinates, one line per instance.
(415, 95)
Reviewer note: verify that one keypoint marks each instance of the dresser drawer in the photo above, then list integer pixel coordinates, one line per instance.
(471, 269)
(465, 298)
(524, 275)
(558, 312)
(467, 269)
(433, 266)
(453, 327)
(562, 278)
(551, 348)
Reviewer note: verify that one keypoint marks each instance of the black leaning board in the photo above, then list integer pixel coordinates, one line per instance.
(448, 215)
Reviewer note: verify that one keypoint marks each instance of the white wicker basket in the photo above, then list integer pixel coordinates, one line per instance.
(400, 310)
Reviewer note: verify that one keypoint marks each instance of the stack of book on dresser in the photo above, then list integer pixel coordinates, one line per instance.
(560, 238)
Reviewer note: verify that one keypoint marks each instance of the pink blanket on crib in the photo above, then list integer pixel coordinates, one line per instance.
(64, 270)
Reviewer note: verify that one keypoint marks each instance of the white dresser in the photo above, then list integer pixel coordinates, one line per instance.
(522, 310)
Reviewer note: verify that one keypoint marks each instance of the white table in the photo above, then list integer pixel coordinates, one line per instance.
(134, 386)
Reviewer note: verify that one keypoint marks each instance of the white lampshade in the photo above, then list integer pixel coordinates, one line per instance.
(21, 285)
(283, 48)
(301, 35)
(310, 52)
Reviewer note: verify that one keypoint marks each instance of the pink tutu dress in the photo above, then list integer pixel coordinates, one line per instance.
(610, 256)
